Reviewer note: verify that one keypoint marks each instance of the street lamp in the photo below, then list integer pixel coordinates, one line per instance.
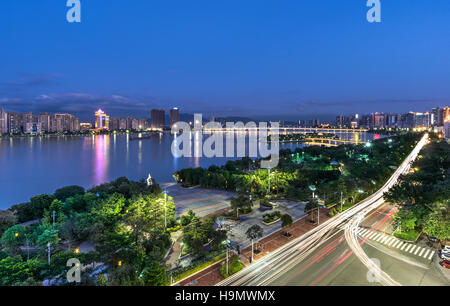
(313, 188)
(227, 243)
(165, 210)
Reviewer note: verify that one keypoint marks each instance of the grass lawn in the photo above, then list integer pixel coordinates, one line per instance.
(412, 235)
(234, 266)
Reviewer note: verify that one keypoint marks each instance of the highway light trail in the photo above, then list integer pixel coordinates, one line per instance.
(285, 258)
(351, 233)
(331, 247)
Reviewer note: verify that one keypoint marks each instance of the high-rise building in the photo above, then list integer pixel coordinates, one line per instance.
(3, 121)
(157, 118)
(84, 127)
(422, 120)
(129, 123)
(45, 120)
(447, 129)
(143, 124)
(174, 116)
(340, 121)
(15, 123)
(123, 124)
(32, 128)
(101, 120)
(114, 124)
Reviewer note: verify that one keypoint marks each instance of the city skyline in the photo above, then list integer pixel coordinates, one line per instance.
(294, 60)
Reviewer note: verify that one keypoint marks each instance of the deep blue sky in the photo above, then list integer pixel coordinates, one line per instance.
(289, 59)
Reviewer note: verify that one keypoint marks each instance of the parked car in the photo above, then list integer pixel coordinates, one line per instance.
(445, 256)
(433, 239)
(446, 248)
(445, 263)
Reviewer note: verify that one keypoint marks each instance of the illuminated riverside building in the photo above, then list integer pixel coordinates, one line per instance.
(174, 116)
(3, 121)
(158, 119)
(84, 127)
(101, 120)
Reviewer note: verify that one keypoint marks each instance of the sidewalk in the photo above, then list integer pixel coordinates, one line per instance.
(211, 275)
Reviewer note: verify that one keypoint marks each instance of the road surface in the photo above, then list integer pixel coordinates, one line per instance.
(324, 253)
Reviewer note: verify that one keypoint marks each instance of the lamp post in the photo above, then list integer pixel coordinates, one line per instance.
(268, 191)
(165, 210)
(53, 216)
(48, 252)
(313, 188)
(341, 201)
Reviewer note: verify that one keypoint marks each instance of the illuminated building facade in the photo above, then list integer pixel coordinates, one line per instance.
(101, 120)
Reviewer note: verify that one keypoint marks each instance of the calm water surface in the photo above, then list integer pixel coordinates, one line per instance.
(35, 165)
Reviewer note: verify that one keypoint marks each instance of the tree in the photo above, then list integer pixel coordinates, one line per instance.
(39, 204)
(240, 202)
(69, 191)
(286, 221)
(49, 235)
(310, 206)
(7, 219)
(155, 274)
(437, 223)
(13, 238)
(254, 232)
(14, 270)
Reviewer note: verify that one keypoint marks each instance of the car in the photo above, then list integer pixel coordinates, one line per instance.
(446, 248)
(433, 239)
(445, 263)
(445, 256)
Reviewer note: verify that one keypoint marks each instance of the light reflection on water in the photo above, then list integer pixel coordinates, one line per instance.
(31, 166)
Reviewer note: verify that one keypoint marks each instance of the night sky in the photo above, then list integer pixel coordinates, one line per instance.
(284, 59)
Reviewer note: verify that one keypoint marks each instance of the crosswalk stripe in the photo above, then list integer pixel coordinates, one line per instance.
(431, 255)
(389, 240)
(367, 234)
(363, 231)
(376, 236)
(426, 253)
(417, 251)
(421, 252)
(397, 242)
(384, 239)
(360, 230)
(404, 246)
(379, 238)
(412, 249)
(393, 240)
(399, 245)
